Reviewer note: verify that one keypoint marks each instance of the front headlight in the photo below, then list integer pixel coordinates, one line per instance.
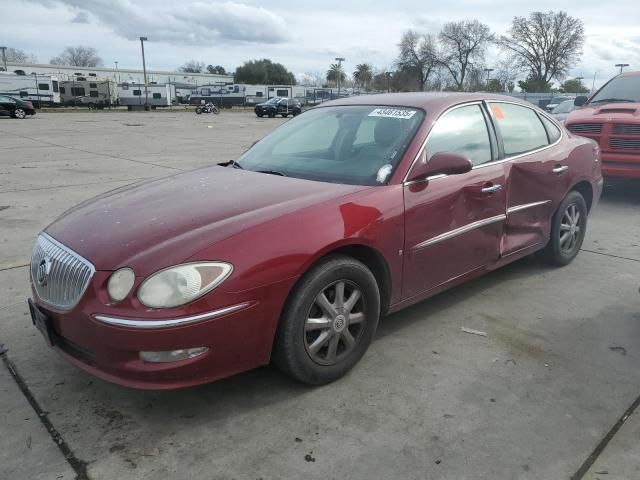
(120, 283)
(175, 286)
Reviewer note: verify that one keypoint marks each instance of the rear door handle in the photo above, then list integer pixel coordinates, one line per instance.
(560, 170)
(492, 189)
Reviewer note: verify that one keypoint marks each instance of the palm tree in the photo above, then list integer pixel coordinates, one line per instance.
(363, 75)
(336, 73)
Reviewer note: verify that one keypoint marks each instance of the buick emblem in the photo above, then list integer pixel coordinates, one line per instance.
(43, 271)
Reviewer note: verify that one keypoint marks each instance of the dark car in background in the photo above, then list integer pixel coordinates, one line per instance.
(15, 108)
(279, 106)
(562, 110)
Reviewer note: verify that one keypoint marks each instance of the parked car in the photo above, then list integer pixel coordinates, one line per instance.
(555, 101)
(355, 209)
(279, 106)
(611, 117)
(15, 108)
(562, 111)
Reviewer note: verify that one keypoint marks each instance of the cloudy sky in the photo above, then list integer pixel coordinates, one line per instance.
(305, 36)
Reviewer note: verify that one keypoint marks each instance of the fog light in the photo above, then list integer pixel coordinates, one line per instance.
(172, 355)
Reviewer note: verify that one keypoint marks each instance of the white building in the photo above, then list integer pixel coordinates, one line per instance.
(121, 75)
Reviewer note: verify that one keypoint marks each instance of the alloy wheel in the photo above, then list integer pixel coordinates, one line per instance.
(570, 228)
(19, 113)
(335, 323)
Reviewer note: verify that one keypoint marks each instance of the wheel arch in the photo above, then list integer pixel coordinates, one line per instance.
(586, 190)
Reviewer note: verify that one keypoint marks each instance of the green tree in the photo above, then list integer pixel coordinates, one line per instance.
(336, 73)
(363, 75)
(534, 84)
(574, 85)
(264, 72)
(218, 69)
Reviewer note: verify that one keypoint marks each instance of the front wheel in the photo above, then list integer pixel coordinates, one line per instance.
(215, 110)
(568, 229)
(328, 322)
(198, 110)
(19, 113)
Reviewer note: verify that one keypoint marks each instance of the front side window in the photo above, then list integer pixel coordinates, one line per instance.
(464, 131)
(356, 145)
(521, 129)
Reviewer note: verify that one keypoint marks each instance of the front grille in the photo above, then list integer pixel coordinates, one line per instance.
(626, 129)
(585, 127)
(59, 275)
(624, 143)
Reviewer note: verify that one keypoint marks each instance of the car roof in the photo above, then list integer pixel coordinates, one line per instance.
(630, 74)
(430, 101)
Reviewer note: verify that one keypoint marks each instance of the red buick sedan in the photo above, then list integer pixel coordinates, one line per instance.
(350, 211)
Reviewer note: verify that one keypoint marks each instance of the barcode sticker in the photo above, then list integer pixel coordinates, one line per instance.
(392, 113)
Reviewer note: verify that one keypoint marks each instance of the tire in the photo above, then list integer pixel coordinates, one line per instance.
(296, 113)
(314, 349)
(272, 114)
(260, 115)
(568, 229)
(198, 110)
(19, 113)
(216, 111)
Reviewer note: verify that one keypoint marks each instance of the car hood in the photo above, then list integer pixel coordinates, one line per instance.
(165, 221)
(606, 111)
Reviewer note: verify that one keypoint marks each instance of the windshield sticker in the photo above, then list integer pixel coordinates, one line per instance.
(392, 113)
(383, 173)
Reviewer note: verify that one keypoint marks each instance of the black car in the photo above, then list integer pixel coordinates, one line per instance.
(279, 106)
(15, 108)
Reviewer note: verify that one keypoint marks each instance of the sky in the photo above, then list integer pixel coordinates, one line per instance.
(304, 36)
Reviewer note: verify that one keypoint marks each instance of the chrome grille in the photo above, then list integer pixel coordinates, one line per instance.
(585, 127)
(626, 129)
(624, 143)
(59, 275)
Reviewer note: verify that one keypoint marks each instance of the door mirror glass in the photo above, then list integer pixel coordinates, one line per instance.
(580, 101)
(441, 163)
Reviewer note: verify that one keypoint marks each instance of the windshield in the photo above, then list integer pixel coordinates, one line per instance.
(620, 89)
(357, 145)
(564, 107)
(273, 100)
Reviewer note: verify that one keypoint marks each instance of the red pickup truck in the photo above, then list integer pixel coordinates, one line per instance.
(611, 117)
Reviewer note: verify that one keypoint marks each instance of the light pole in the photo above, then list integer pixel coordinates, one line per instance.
(4, 57)
(117, 72)
(622, 65)
(488, 70)
(339, 60)
(144, 72)
(593, 85)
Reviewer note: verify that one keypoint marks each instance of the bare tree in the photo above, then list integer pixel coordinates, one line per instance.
(505, 73)
(546, 44)
(78, 57)
(418, 55)
(17, 55)
(464, 45)
(192, 66)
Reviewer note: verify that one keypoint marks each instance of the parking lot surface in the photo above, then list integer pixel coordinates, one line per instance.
(531, 400)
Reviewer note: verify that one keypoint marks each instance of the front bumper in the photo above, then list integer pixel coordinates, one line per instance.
(238, 335)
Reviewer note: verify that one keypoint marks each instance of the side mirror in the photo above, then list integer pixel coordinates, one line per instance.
(580, 101)
(441, 163)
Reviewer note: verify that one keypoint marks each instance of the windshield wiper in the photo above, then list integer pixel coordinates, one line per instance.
(231, 163)
(614, 100)
(272, 172)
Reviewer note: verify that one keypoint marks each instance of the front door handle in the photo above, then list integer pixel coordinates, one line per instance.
(492, 189)
(560, 170)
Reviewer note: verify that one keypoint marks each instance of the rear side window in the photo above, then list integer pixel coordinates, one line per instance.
(521, 129)
(552, 130)
(462, 130)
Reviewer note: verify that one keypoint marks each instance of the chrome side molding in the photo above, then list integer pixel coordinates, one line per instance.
(459, 231)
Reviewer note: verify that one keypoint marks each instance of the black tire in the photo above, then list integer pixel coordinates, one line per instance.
(260, 115)
(561, 253)
(272, 114)
(198, 110)
(292, 354)
(296, 113)
(284, 115)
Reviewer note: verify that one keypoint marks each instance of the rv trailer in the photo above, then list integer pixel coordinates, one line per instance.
(221, 95)
(91, 92)
(159, 94)
(38, 89)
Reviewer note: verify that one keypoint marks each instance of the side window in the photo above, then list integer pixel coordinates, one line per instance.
(552, 130)
(43, 86)
(93, 94)
(521, 129)
(23, 94)
(462, 130)
(157, 95)
(137, 93)
(282, 93)
(93, 85)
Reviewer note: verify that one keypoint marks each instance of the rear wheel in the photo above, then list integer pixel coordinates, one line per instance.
(568, 229)
(198, 110)
(328, 322)
(19, 113)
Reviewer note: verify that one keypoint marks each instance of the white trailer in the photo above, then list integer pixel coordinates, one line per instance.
(159, 94)
(261, 93)
(38, 89)
(90, 92)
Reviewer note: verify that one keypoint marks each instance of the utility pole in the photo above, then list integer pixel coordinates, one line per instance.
(144, 71)
(4, 57)
(339, 60)
(593, 85)
(622, 65)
